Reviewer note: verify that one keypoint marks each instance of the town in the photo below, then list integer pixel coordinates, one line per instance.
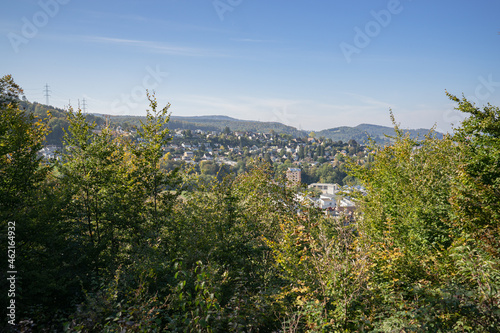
(317, 164)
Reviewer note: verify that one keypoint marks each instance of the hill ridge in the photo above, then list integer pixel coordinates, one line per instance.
(360, 133)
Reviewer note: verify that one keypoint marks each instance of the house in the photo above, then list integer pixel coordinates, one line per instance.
(188, 156)
(49, 152)
(326, 188)
(346, 206)
(327, 202)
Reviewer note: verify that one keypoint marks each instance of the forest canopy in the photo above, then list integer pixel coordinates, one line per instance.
(108, 240)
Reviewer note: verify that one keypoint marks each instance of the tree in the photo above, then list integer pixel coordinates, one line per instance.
(301, 153)
(223, 224)
(406, 216)
(158, 185)
(475, 200)
(478, 195)
(22, 171)
(21, 137)
(9, 92)
(28, 203)
(429, 220)
(93, 171)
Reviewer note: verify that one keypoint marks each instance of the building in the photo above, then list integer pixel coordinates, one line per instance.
(50, 152)
(293, 175)
(346, 206)
(327, 202)
(326, 188)
(188, 156)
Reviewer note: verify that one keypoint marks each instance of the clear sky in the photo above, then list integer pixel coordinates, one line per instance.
(309, 64)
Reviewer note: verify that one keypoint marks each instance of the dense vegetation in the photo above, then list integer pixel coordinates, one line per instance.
(110, 240)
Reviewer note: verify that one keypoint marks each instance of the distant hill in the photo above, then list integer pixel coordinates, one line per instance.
(360, 133)
(215, 123)
(218, 123)
(208, 118)
(58, 122)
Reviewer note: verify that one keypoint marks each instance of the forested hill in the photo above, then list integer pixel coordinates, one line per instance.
(215, 123)
(58, 122)
(360, 133)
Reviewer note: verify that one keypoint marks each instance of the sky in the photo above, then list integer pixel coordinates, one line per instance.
(309, 64)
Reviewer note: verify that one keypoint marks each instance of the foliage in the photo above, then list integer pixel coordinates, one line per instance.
(115, 237)
(430, 269)
(152, 180)
(9, 92)
(326, 269)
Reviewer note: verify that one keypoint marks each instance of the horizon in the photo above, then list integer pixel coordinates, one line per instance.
(250, 120)
(314, 66)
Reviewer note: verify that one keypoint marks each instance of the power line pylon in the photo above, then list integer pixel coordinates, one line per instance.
(84, 107)
(47, 94)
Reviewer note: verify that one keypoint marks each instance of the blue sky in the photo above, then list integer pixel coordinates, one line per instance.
(309, 64)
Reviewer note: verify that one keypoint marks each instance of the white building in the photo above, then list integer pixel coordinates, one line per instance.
(188, 156)
(326, 202)
(326, 188)
(49, 152)
(346, 205)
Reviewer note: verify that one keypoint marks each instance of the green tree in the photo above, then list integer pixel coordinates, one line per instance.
(301, 153)
(27, 203)
(475, 200)
(10, 92)
(122, 192)
(21, 169)
(223, 225)
(429, 233)
(94, 172)
(156, 184)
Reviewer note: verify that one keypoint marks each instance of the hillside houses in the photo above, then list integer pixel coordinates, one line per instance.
(49, 152)
(321, 160)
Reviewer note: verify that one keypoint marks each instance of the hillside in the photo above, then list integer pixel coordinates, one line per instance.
(214, 123)
(218, 123)
(362, 132)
